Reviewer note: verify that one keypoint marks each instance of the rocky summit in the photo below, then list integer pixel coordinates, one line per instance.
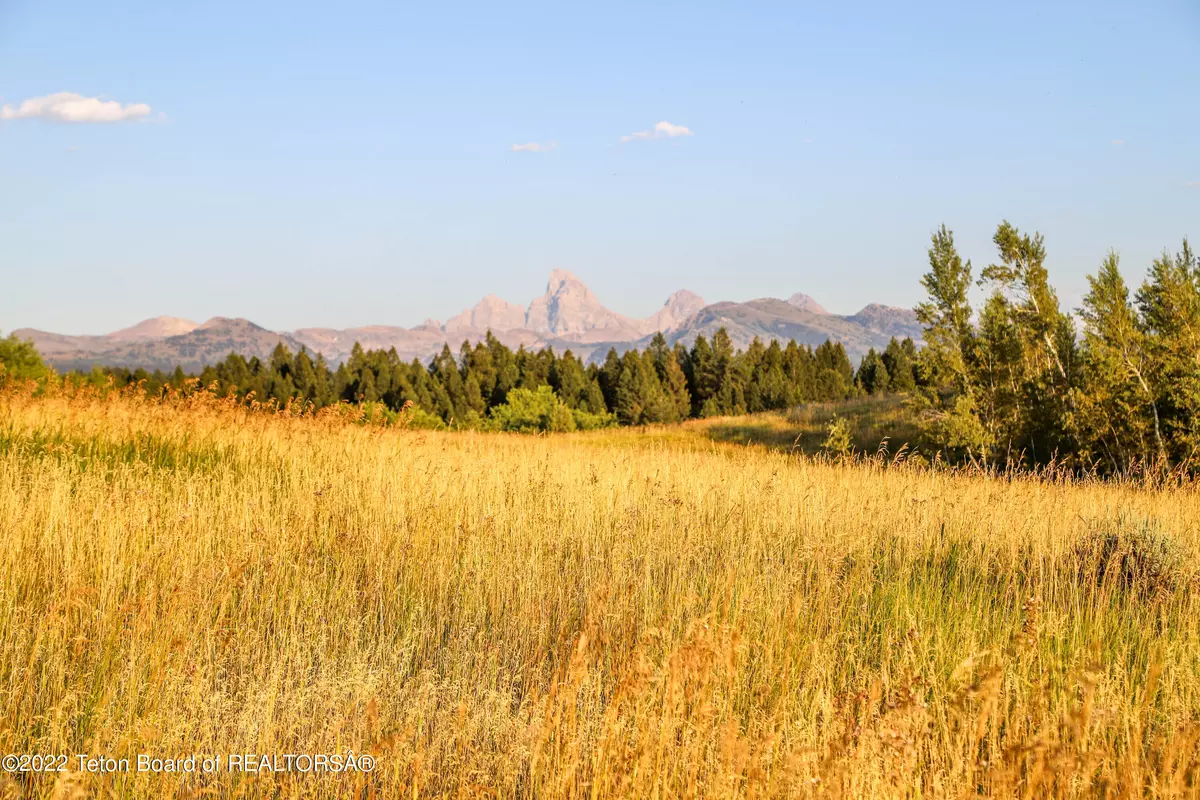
(568, 315)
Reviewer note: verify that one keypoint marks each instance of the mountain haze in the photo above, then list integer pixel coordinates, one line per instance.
(566, 316)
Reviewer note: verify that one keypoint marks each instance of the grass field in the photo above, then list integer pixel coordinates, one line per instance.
(665, 613)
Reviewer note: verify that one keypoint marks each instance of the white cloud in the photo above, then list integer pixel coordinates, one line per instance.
(534, 147)
(1193, 184)
(1118, 142)
(71, 107)
(661, 130)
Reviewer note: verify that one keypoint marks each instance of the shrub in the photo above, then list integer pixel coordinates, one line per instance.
(587, 421)
(417, 418)
(838, 440)
(533, 411)
(19, 360)
(1134, 557)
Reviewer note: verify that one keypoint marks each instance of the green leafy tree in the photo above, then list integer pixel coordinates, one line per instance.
(20, 360)
(1118, 410)
(951, 414)
(1169, 301)
(533, 410)
(1046, 368)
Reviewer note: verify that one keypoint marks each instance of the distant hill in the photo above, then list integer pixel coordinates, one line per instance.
(204, 344)
(566, 316)
(768, 318)
(154, 328)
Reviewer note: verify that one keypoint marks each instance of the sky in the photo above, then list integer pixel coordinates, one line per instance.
(341, 164)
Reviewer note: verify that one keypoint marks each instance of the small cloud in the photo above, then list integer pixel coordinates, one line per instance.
(661, 130)
(1193, 184)
(534, 147)
(806, 140)
(1118, 142)
(71, 107)
(73, 148)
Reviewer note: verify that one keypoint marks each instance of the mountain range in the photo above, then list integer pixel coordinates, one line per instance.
(567, 316)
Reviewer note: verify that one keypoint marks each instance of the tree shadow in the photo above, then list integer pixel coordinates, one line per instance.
(872, 420)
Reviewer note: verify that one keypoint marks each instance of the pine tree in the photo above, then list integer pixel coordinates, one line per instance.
(365, 392)
(281, 361)
(534, 367)
(304, 376)
(473, 395)
(776, 391)
(609, 378)
(752, 361)
(507, 373)
(568, 380)
(900, 361)
(323, 394)
(444, 371)
(671, 378)
(799, 370)
(631, 391)
(872, 376)
(833, 372)
(715, 387)
(593, 397)
(660, 405)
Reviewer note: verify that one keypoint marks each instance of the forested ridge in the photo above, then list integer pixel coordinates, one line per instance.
(1010, 381)
(491, 385)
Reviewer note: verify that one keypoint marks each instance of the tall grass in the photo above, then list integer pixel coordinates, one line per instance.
(516, 616)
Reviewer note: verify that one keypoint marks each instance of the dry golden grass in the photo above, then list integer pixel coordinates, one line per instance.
(508, 616)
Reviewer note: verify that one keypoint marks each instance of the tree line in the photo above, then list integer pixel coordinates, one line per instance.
(490, 385)
(1014, 382)
(1009, 381)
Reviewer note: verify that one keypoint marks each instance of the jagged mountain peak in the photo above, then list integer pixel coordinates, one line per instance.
(569, 307)
(677, 310)
(560, 277)
(566, 315)
(684, 298)
(491, 313)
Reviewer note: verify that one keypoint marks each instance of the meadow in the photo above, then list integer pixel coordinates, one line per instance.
(694, 611)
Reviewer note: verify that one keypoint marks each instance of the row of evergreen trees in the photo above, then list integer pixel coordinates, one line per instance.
(1013, 382)
(656, 385)
(1009, 382)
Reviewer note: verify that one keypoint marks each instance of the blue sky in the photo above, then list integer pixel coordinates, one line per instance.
(351, 163)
